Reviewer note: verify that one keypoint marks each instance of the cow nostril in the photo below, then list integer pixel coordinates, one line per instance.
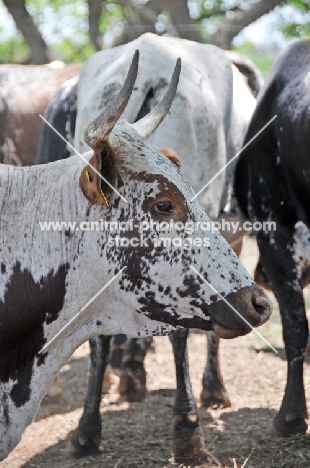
(262, 305)
(260, 309)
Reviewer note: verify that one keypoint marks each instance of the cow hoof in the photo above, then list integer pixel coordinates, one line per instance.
(215, 399)
(80, 445)
(132, 385)
(188, 443)
(283, 428)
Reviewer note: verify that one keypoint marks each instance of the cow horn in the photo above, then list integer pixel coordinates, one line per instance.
(102, 126)
(148, 124)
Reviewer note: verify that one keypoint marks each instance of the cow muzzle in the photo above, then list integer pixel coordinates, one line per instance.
(245, 309)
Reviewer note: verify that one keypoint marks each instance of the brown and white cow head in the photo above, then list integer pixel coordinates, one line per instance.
(158, 281)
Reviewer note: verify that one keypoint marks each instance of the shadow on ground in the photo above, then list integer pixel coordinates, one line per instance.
(141, 437)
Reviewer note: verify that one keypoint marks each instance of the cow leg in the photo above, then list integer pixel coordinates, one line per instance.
(214, 394)
(86, 438)
(260, 276)
(132, 384)
(293, 412)
(118, 346)
(281, 271)
(188, 442)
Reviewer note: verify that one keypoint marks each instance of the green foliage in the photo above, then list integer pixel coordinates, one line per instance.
(214, 12)
(112, 15)
(209, 13)
(70, 52)
(297, 31)
(303, 5)
(14, 50)
(63, 24)
(301, 30)
(261, 58)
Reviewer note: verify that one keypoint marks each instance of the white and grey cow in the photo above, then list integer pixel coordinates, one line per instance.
(208, 117)
(206, 125)
(46, 277)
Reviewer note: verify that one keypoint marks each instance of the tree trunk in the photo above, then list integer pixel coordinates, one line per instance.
(94, 13)
(184, 26)
(231, 27)
(39, 50)
(143, 21)
(179, 14)
(146, 15)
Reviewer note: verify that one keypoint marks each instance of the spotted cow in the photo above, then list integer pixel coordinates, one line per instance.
(49, 275)
(207, 122)
(272, 183)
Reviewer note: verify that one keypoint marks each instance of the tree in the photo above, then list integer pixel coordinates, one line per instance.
(39, 50)
(241, 18)
(179, 15)
(94, 14)
(214, 21)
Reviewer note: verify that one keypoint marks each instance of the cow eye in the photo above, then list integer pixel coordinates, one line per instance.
(164, 207)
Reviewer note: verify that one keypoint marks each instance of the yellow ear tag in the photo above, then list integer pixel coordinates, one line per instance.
(105, 199)
(103, 195)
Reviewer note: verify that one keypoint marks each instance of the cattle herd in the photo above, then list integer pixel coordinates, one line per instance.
(103, 158)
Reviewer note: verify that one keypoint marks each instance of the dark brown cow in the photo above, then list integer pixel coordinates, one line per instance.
(25, 91)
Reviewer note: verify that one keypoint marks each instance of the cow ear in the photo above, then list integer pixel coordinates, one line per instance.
(99, 177)
(172, 155)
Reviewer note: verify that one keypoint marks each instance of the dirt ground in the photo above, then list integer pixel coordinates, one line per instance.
(139, 435)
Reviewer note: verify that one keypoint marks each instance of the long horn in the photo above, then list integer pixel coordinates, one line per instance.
(148, 124)
(102, 126)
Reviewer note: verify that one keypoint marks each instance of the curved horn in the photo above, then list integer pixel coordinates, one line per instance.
(102, 126)
(148, 124)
